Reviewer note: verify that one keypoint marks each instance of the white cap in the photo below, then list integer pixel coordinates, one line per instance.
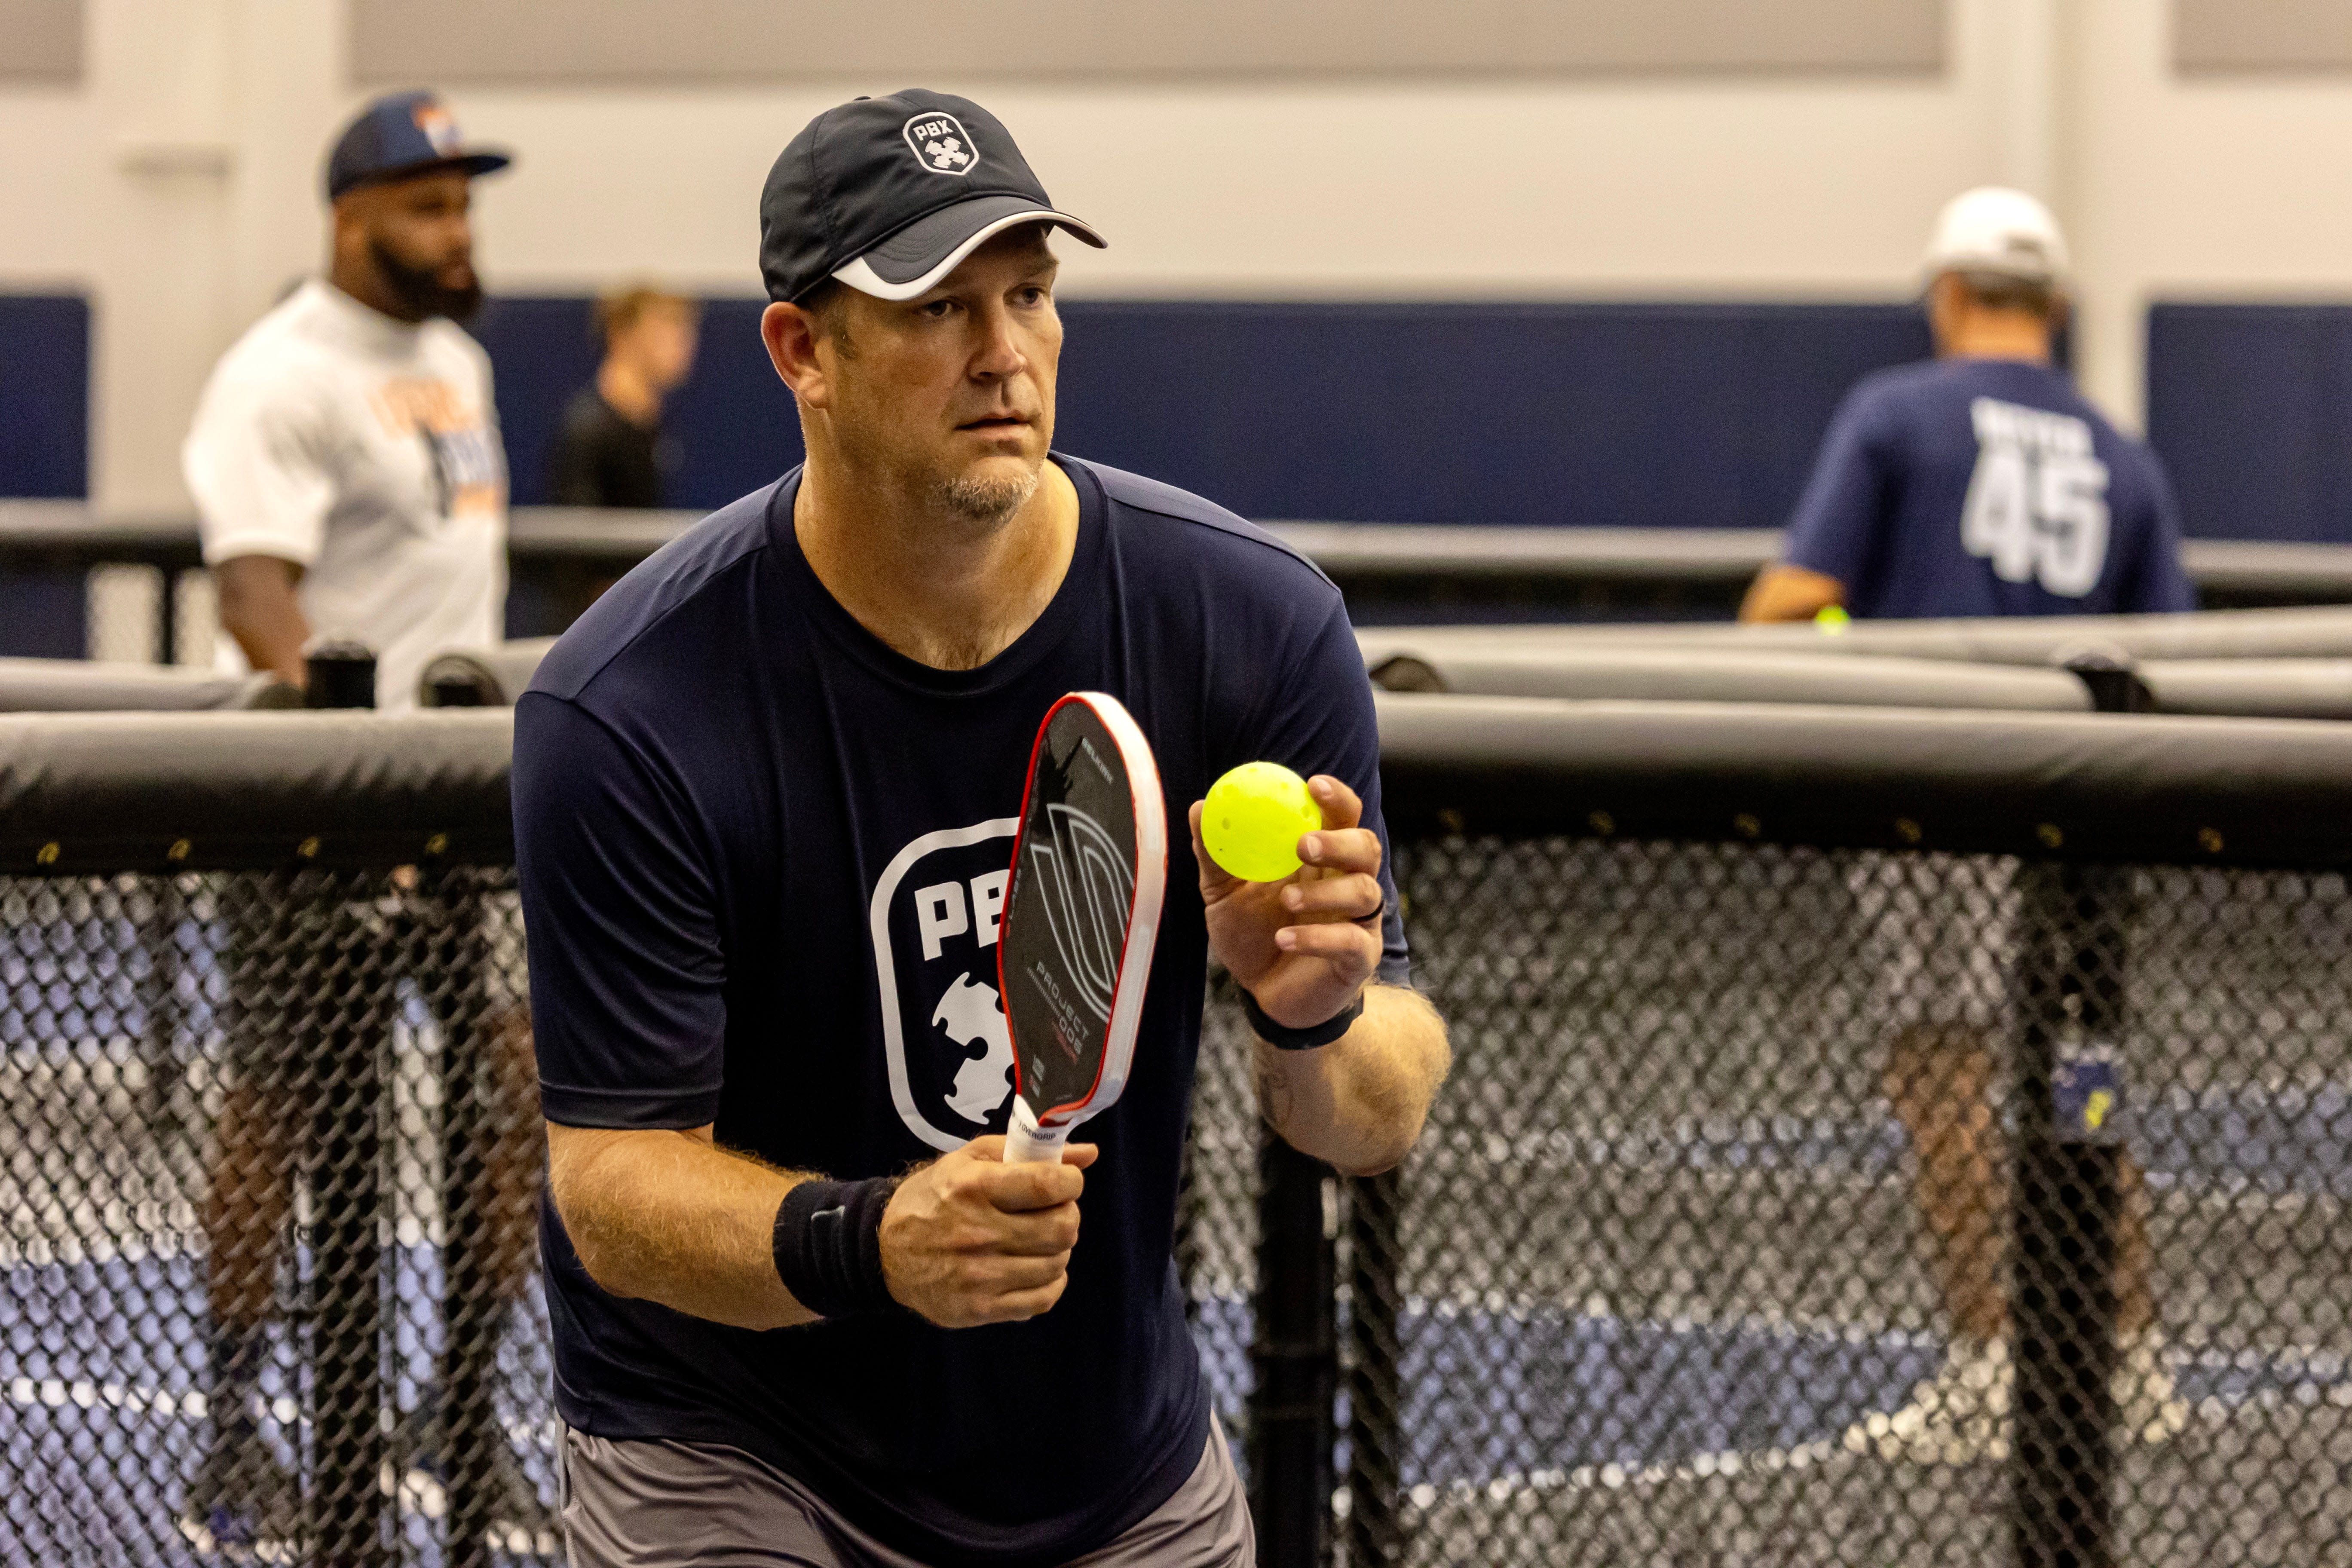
(1995, 229)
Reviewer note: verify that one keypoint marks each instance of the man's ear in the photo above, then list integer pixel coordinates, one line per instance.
(346, 222)
(794, 337)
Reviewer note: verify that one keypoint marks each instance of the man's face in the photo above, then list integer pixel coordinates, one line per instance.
(953, 391)
(661, 342)
(419, 234)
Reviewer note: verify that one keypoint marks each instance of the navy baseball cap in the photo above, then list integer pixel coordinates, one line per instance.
(403, 134)
(887, 195)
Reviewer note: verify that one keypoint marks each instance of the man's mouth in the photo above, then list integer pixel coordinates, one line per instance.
(993, 423)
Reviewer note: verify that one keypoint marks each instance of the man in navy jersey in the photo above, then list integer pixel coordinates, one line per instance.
(766, 793)
(1979, 484)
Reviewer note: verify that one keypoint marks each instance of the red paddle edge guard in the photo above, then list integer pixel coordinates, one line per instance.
(1053, 1125)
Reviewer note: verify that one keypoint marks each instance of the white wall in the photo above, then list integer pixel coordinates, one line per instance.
(2212, 187)
(178, 184)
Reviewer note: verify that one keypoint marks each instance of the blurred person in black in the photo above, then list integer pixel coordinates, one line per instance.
(612, 450)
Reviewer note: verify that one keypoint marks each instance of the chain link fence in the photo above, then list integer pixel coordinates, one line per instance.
(1789, 1205)
(270, 1159)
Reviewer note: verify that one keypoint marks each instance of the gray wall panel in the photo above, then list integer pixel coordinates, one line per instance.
(2262, 34)
(40, 40)
(686, 41)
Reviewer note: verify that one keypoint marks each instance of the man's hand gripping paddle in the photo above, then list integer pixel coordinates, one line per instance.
(1089, 868)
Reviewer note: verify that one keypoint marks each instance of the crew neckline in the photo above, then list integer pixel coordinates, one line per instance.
(362, 321)
(1036, 641)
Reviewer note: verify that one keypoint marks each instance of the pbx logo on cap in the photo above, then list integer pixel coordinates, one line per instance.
(940, 144)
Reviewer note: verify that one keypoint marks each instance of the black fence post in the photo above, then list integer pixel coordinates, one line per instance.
(346, 1021)
(456, 957)
(2068, 1188)
(339, 675)
(1293, 1426)
(1373, 1531)
(340, 1027)
(167, 616)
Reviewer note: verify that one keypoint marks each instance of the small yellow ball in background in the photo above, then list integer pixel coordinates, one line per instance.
(1254, 818)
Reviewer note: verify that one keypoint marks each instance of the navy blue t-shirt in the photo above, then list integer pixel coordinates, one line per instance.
(1979, 486)
(763, 858)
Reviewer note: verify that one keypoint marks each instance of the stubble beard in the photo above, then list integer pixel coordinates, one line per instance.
(969, 505)
(987, 502)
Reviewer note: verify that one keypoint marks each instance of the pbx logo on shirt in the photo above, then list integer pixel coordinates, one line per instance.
(934, 920)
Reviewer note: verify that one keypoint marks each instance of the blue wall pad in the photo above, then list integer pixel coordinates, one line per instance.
(2251, 408)
(43, 453)
(44, 613)
(44, 395)
(1656, 415)
(1627, 416)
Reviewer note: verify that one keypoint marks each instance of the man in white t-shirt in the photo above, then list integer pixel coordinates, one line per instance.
(345, 458)
(349, 482)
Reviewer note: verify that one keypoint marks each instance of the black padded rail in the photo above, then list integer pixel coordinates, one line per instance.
(481, 677)
(72, 529)
(2251, 687)
(1711, 675)
(2301, 633)
(606, 535)
(79, 686)
(2153, 788)
(1730, 557)
(142, 792)
(1716, 562)
(1400, 549)
(2239, 687)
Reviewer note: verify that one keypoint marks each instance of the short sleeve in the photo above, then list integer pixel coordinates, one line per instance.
(628, 1009)
(1321, 721)
(1835, 528)
(2158, 581)
(257, 461)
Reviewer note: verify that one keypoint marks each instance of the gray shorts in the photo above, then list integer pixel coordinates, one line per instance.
(656, 1504)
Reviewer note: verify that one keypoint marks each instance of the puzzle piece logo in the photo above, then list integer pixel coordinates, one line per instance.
(969, 1013)
(941, 144)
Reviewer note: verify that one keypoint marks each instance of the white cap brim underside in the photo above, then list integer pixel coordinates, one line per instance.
(865, 281)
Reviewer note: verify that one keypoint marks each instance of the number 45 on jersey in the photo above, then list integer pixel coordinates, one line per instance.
(2037, 505)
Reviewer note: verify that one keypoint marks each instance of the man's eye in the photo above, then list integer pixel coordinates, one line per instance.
(938, 309)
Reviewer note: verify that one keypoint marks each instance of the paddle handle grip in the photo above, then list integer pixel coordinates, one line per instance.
(1026, 1143)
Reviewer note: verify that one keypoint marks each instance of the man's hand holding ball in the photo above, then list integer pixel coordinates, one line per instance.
(1304, 940)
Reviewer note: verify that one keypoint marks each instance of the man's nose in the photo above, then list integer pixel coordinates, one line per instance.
(1001, 354)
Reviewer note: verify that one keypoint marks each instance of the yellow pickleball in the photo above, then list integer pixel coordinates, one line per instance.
(1254, 818)
(1831, 619)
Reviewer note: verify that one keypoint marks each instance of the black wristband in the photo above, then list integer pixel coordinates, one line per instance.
(828, 1246)
(1306, 1039)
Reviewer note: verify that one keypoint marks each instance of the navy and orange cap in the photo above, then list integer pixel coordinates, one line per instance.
(400, 136)
(889, 194)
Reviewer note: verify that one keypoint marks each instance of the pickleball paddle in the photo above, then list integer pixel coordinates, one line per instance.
(1089, 869)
